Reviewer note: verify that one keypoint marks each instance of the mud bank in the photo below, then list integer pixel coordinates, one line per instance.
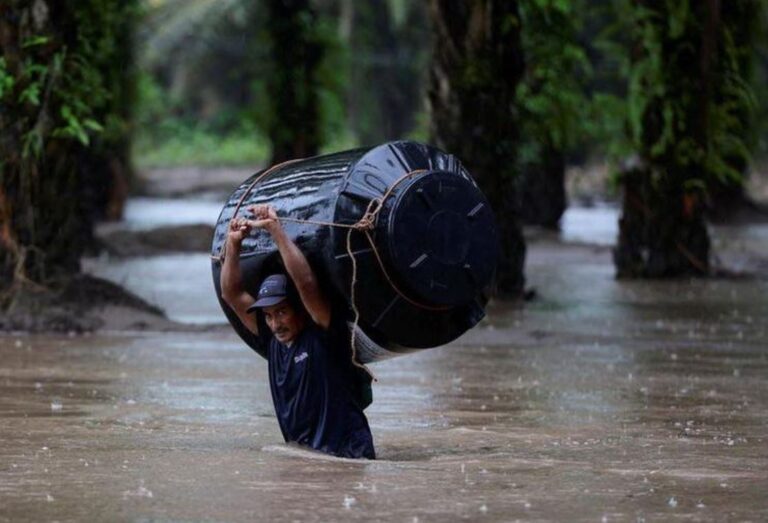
(81, 304)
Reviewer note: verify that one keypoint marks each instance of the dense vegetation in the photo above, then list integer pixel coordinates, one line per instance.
(66, 96)
(209, 77)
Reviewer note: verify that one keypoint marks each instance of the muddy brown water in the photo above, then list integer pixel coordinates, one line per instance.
(601, 401)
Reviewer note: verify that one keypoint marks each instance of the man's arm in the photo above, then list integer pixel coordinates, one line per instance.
(231, 281)
(296, 265)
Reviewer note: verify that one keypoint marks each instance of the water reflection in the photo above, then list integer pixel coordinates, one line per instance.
(180, 284)
(147, 213)
(594, 225)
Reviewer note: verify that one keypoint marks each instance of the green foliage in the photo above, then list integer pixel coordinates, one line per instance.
(166, 137)
(552, 97)
(206, 68)
(68, 80)
(689, 102)
(65, 92)
(7, 80)
(759, 81)
(200, 73)
(183, 144)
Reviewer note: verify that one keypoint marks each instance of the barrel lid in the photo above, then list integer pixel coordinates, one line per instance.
(441, 238)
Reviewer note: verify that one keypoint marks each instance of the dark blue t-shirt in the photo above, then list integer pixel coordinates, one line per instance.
(312, 384)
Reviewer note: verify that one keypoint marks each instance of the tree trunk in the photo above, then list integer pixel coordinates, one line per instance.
(294, 127)
(662, 232)
(385, 71)
(477, 65)
(687, 103)
(542, 189)
(57, 74)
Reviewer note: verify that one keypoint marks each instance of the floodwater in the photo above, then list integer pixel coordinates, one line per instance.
(164, 281)
(599, 401)
(144, 213)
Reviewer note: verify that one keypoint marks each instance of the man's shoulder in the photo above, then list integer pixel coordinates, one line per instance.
(335, 339)
(337, 325)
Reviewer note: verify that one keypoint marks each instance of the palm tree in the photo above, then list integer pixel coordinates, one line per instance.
(65, 94)
(476, 68)
(687, 101)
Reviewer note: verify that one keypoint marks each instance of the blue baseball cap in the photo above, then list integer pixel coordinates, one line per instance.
(273, 290)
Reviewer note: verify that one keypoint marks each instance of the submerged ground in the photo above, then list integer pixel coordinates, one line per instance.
(602, 400)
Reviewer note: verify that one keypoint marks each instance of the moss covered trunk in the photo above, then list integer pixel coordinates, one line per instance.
(61, 138)
(477, 65)
(662, 232)
(687, 104)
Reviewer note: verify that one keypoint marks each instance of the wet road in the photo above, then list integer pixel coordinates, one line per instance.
(601, 401)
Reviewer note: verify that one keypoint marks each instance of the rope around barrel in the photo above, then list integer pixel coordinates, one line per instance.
(223, 248)
(365, 225)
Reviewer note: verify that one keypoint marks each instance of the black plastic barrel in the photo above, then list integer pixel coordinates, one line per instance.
(435, 236)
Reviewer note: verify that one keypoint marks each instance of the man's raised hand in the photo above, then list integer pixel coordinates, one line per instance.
(238, 230)
(266, 218)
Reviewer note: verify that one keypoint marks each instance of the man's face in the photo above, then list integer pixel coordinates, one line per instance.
(284, 322)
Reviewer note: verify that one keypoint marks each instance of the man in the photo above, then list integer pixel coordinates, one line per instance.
(311, 376)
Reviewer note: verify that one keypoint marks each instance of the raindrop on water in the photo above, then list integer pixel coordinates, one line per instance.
(141, 492)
